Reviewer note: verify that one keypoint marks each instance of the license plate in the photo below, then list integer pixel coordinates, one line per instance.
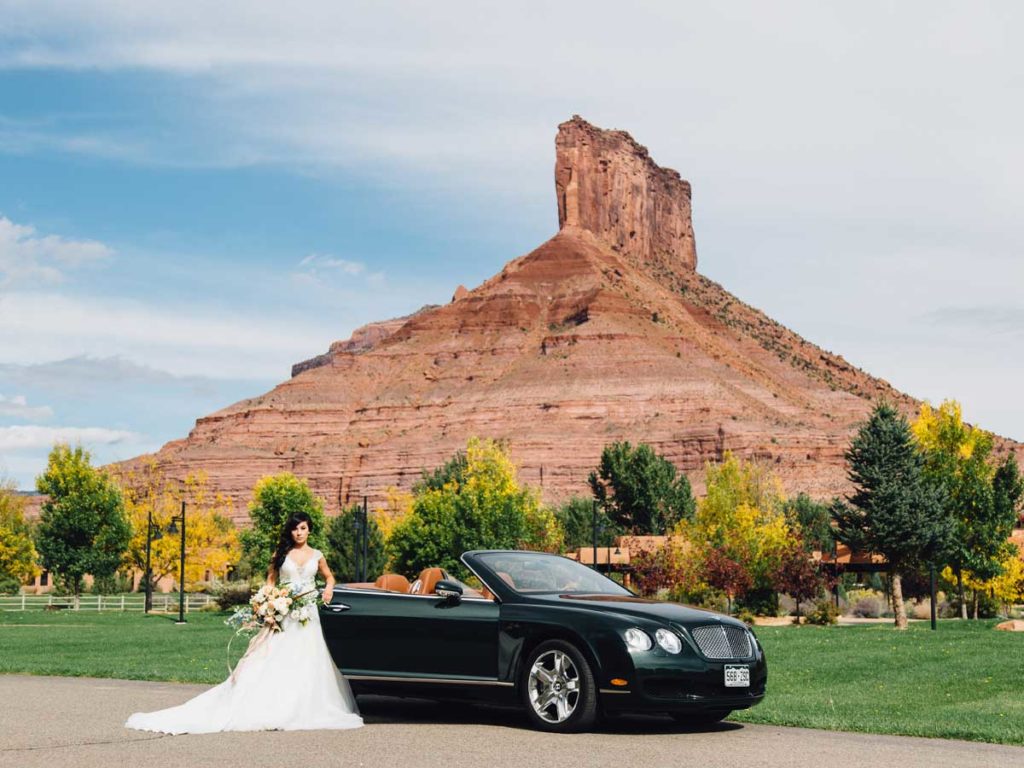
(737, 677)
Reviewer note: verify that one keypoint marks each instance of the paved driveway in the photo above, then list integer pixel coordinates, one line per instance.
(57, 721)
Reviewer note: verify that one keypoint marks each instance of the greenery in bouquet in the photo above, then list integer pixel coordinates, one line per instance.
(269, 607)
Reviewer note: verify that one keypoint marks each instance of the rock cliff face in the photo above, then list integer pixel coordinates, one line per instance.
(605, 332)
(608, 185)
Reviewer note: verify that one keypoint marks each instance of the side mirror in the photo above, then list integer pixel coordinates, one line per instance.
(449, 590)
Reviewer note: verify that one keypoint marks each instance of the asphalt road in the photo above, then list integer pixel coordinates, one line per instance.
(56, 721)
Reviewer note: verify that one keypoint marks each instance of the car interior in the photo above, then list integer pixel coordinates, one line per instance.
(424, 584)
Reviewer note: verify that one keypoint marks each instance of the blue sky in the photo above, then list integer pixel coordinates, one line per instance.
(194, 198)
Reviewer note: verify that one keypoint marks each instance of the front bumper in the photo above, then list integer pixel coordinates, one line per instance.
(684, 682)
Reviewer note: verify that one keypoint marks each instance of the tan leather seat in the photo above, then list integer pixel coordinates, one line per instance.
(392, 582)
(507, 579)
(427, 581)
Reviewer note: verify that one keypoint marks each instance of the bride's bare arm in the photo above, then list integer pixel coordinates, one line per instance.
(272, 575)
(325, 571)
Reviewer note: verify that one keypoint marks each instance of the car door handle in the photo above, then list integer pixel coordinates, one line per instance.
(338, 607)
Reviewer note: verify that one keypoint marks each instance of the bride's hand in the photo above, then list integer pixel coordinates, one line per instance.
(328, 596)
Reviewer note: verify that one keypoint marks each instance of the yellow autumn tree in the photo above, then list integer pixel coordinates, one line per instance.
(397, 506)
(1007, 588)
(18, 557)
(211, 540)
(473, 501)
(740, 531)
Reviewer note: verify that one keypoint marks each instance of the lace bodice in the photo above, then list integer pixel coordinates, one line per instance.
(300, 574)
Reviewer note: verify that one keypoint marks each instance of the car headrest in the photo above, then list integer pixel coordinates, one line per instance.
(427, 581)
(392, 582)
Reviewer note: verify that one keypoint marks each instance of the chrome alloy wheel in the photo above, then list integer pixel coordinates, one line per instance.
(554, 686)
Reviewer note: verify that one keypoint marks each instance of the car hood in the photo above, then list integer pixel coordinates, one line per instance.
(643, 608)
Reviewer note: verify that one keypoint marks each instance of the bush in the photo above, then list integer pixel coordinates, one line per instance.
(746, 616)
(824, 614)
(9, 585)
(114, 584)
(760, 602)
(868, 608)
(229, 594)
(211, 608)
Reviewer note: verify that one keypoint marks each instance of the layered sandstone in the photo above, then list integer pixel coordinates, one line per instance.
(605, 332)
(608, 185)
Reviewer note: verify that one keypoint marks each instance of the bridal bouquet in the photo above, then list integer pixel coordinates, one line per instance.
(269, 607)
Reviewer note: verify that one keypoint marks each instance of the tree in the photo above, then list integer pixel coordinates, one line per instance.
(1008, 491)
(17, 551)
(274, 499)
(957, 457)
(576, 516)
(799, 576)
(727, 574)
(895, 510)
(472, 502)
(82, 525)
(211, 540)
(345, 545)
(641, 491)
(813, 520)
(740, 525)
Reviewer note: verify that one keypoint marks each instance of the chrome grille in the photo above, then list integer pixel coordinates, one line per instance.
(722, 642)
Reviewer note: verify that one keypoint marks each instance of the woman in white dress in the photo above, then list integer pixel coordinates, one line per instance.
(289, 681)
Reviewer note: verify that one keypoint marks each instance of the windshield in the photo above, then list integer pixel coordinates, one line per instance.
(534, 573)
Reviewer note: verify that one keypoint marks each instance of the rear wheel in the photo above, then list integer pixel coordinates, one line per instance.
(700, 719)
(558, 688)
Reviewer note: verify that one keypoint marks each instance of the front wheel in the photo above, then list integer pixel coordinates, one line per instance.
(558, 688)
(700, 719)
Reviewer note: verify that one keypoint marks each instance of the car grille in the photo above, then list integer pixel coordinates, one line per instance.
(723, 642)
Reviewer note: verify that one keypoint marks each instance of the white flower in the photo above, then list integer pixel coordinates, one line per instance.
(281, 605)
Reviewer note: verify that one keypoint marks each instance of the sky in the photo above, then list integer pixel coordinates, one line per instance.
(194, 196)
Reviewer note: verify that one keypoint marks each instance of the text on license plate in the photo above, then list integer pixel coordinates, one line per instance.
(737, 677)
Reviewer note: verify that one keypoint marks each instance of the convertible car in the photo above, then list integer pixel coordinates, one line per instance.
(563, 641)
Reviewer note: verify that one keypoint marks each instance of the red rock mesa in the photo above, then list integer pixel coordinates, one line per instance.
(605, 332)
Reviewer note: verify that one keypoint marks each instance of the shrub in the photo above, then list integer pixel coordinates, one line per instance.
(746, 616)
(824, 613)
(9, 585)
(868, 608)
(211, 608)
(231, 593)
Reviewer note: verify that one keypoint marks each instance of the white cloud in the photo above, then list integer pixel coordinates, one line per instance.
(21, 438)
(17, 407)
(26, 257)
(317, 262)
(37, 327)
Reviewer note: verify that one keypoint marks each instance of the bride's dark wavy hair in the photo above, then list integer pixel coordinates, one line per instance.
(285, 542)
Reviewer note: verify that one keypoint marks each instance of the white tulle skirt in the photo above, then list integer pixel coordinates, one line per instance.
(289, 683)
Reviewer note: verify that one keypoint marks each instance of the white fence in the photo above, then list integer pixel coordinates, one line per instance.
(132, 602)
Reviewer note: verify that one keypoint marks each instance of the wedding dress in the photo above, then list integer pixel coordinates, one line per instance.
(289, 682)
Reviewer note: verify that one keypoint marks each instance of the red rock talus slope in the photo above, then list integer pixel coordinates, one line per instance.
(605, 332)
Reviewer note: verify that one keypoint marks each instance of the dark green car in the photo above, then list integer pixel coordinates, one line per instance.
(563, 641)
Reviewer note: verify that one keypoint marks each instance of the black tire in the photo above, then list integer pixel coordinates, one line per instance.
(574, 686)
(700, 719)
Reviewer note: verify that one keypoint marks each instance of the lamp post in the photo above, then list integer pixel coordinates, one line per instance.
(153, 533)
(181, 577)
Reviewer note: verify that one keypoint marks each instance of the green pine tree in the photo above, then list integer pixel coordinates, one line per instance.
(640, 491)
(895, 510)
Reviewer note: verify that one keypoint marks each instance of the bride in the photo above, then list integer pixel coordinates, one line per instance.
(289, 682)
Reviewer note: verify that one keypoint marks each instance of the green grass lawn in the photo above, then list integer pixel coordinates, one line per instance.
(128, 645)
(964, 681)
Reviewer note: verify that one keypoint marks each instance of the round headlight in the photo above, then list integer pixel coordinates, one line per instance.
(637, 639)
(668, 640)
